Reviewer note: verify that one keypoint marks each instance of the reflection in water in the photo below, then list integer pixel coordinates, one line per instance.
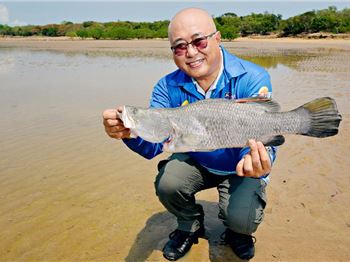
(7, 63)
(270, 61)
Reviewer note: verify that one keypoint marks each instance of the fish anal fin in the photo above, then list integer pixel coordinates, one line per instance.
(273, 140)
(269, 104)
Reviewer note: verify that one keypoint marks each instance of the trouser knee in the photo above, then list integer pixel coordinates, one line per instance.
(167, 187)
(245, 220)
(172, 179)
(241, 224)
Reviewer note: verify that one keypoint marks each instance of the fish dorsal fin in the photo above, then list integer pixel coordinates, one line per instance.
(269, 104)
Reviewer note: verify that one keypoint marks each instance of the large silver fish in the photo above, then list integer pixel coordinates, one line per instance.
(211, 124)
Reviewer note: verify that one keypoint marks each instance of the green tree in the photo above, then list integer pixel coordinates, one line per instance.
(87, 23)
(228, 24)
(66, 23)
(50, 30)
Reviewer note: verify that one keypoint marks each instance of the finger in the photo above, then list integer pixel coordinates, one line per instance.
(115, 129)
(254, 152)
(239, 168)
(248, 165)
(264, 158)
(113, 122)
(120, 109)
(120, 135)
(110, 114)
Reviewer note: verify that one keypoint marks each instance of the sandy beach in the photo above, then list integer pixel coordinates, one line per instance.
(69, 193)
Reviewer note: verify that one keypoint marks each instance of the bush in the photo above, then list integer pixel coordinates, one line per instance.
(71, 34)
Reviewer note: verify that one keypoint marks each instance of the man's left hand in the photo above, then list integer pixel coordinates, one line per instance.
(256, 163)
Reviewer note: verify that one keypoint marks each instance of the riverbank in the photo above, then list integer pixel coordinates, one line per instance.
(160, 48)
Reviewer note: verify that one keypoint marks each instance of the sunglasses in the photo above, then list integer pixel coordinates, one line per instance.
(198, 43)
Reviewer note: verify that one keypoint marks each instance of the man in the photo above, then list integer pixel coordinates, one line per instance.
(206, 70)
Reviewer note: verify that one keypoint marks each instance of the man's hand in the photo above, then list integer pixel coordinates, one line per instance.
(114, 126)
(256, 163)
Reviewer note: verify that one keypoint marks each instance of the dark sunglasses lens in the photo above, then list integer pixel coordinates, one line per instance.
(180, 49)
(200, 43)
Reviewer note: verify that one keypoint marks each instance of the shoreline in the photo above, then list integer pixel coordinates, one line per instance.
(310, 36)
(306, 38)
(160, 48)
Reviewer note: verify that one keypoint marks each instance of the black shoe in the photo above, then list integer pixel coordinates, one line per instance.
(180, 243)
(242, 245)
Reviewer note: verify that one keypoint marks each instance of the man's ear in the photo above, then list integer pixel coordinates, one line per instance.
(218, 37)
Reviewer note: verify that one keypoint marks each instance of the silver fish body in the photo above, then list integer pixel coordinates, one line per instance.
(211, 124)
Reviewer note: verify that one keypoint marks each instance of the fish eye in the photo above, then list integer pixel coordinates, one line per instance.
(134, 110)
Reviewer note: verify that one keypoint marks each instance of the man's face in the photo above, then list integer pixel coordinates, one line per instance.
(199, 63)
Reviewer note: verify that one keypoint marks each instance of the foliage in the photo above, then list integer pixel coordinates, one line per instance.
(259, 24)
(229, 24)
(326, 20)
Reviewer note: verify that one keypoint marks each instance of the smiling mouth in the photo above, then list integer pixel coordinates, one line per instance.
(196, 63)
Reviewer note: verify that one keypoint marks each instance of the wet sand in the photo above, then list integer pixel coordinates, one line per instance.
(69, 193)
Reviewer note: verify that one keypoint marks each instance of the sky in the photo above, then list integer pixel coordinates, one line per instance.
(48, 12)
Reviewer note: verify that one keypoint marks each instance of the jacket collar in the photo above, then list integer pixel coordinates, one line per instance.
(232, 64)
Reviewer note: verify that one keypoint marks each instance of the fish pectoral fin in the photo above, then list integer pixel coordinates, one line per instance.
(190, 139)
(269, 104)
(273, 140)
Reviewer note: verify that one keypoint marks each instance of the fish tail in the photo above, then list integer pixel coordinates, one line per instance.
(323, 115)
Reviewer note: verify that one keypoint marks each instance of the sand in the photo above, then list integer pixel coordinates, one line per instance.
(95, 201)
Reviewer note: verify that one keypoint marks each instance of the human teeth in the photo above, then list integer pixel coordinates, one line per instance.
(196, 63)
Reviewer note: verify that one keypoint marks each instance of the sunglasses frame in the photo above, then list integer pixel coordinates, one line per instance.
(173, 48)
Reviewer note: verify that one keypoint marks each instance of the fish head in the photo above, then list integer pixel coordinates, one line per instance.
(147, 123)
(127, 116)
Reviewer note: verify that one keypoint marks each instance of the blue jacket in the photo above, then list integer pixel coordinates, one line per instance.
(239, 79)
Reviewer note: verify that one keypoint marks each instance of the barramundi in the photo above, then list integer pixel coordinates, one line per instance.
(212, 124)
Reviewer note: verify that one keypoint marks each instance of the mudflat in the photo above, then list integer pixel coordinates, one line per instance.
(70, 193)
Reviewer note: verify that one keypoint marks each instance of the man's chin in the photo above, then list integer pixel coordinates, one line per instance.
(196, 73)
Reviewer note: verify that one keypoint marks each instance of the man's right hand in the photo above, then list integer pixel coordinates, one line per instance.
(114, 126)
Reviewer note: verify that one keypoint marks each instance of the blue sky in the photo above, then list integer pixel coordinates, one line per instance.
(46, 12)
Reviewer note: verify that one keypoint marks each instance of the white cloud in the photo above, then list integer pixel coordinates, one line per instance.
(4, 14)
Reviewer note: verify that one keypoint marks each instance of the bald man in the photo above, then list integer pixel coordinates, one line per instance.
(206, 70)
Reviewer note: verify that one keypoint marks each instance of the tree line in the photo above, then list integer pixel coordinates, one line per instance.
(230, 25)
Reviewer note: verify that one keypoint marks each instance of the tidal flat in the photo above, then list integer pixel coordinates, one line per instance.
(70, 193)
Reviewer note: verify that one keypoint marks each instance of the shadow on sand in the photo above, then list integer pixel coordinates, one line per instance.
(155, 234)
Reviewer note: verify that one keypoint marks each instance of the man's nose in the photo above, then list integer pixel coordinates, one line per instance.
(191, 51)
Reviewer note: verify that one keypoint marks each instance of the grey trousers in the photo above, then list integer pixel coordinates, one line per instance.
(241, 200)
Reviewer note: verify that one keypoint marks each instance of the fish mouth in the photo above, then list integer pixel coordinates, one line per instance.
(127, 119)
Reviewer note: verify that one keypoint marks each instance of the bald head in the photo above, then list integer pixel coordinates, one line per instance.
(190, 20)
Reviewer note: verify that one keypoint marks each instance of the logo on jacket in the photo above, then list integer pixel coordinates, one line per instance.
(185, 103)
(264, 92)
(228, 95)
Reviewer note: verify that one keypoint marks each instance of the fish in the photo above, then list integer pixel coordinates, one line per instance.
(211, 124)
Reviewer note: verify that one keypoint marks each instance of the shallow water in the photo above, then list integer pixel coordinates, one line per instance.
(67, 191)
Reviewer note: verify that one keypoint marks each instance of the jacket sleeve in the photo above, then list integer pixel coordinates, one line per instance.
(260, 85)
(159, 99)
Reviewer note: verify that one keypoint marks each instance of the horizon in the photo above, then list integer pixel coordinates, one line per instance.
(42, 13)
